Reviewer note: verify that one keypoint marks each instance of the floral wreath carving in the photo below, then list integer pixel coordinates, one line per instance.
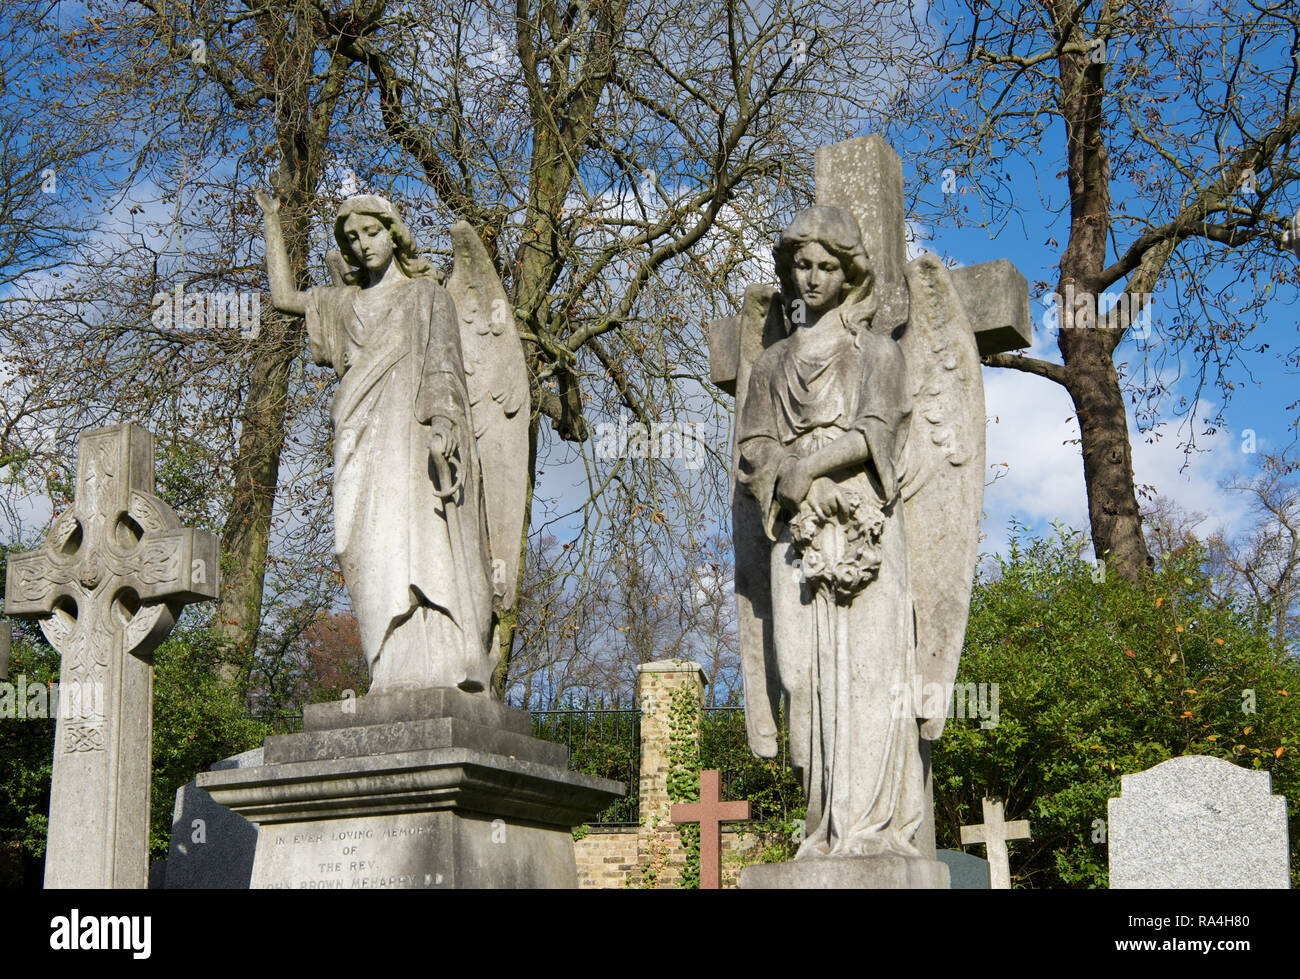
(838, 538)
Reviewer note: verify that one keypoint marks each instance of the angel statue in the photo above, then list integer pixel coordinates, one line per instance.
(428, 438)
(858, 467)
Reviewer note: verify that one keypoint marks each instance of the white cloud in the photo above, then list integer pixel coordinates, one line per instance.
(1032, 428)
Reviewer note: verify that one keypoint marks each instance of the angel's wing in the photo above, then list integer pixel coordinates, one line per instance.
(760, 324)
(337, 264)
(943, 481)
(497, 378)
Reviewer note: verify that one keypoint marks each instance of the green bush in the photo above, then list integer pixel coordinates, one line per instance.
(601, 744)
(26, 762)
(196, 721)
(1098, 679)
(774, 794)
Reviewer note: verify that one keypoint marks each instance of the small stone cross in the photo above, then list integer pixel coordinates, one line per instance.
(994, 833)
(115, 571)
(710, 812)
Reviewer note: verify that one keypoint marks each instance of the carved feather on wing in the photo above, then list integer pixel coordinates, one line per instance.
(497, 378)
(943, 477)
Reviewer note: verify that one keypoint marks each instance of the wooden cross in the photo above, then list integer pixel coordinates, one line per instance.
(994, 833)
(865, 176)
(115, 571)
(710, 812)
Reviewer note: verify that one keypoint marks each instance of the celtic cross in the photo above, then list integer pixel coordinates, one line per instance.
(107, 587)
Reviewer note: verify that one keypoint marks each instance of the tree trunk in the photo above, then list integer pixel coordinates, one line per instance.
(246, 535)
(1094, 387)
(1086, 349)
(304, 104)
(245, 538)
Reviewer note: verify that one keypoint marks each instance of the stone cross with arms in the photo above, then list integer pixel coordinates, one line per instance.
(865, 176)
(115, 571)
(994, 833)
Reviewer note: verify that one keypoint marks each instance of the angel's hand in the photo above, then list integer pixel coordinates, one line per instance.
(442, 438)
(823, 498)
(270, 204)
(792, 483)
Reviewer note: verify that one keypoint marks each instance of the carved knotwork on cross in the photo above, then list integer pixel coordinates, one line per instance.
(115, 571)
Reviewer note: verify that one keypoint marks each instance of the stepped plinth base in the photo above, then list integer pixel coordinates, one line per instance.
(430, 788)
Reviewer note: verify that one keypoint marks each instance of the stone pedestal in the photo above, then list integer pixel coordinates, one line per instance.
(428, 788)
(887, 871)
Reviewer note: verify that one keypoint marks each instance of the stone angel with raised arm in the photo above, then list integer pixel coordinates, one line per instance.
(429, 434)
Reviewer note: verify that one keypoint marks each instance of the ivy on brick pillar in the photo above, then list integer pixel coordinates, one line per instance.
(671, 694)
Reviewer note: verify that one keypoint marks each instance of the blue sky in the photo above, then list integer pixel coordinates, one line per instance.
(1031, 420)
(1031, 427)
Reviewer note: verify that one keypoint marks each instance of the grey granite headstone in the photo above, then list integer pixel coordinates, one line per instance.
(966, 871)
(211, 846)
(1198, 822)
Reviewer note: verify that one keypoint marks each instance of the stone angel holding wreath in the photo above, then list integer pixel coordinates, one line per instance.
(430, 434)
(858, 468)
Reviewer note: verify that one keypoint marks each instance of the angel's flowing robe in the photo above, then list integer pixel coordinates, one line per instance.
(417, 567)
(846, 660)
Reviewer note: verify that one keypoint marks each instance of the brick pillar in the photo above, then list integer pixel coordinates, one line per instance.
(659, 848)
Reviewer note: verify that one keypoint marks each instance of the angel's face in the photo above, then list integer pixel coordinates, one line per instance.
(370, 241)
(818, 276)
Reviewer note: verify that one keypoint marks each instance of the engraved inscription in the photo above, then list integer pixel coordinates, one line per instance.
(396, 851)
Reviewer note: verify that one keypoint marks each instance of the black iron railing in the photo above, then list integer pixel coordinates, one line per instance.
(602, 741)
